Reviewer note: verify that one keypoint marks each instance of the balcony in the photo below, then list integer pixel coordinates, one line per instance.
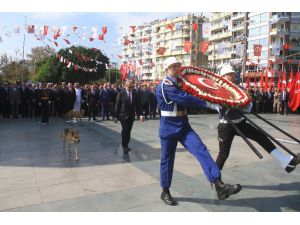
(220, 15)
(238, 27)
(279, 32)
(220, 36)
(237, 16)
(218, 26)
(283, 18)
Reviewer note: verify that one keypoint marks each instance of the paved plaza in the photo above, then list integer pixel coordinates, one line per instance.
(35, 176)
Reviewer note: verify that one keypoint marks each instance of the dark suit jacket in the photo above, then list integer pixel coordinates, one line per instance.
(123, 108)
(287, 96)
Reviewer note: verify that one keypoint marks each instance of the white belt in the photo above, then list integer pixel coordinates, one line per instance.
(173, 114)
(234, 121)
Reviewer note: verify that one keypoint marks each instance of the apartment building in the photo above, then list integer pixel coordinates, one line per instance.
(165, 38)
(284, 31)
(219, 51)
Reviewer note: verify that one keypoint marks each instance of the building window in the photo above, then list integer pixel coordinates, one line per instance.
(264, 42)
(255, 19)
(264, 17)
(264, 30)
(253, 32)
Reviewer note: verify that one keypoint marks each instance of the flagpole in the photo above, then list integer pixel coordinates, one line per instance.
(23, 49)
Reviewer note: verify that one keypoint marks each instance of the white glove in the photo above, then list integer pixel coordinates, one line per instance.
(248, 108)
(214, 106)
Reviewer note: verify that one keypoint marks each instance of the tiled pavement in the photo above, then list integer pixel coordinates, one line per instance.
(36, 176)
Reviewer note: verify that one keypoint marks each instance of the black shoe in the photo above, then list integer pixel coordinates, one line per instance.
(167, 198)
(294, 162)
(225, 190)
(126, 149)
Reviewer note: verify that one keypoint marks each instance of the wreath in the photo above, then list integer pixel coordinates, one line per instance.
(211, 87)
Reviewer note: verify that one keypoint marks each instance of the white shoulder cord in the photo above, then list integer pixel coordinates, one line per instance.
(163, 94)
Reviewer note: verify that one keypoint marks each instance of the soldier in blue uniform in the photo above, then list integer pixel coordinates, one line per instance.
(226, 132)
(175, 127)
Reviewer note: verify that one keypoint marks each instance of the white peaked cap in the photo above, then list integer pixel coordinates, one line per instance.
(169, 61)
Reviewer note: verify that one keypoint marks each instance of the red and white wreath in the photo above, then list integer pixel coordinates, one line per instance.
(211, 87)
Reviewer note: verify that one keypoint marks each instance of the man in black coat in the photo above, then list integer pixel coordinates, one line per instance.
(92, 99)
(284, 99)
(127, 104)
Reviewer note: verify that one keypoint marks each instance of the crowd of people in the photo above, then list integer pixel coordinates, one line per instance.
(271, 101)
(35, 100)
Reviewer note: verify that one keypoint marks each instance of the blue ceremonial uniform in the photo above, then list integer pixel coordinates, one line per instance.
(174, 127)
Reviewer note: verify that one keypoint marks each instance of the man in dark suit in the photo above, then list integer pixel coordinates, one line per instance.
(284, 99)
(92, 99)
(127, 104)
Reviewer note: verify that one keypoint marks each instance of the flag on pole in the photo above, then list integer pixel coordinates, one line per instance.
(283, 82)
(295, 93)
(290, 79)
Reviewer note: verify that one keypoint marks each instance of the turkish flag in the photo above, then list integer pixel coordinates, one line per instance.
(295, 93)
(133, 28)
(124, 71)
(68, 42)
(287, 46)
(127, 42)
(30, 29)
(290, 81)
(279, 81)
(266, 82)
(45, 30)
(170, 26)
(272, 79)
(104, 30)
(195, 26)
(261, 82)
(74, 28)
(101, 37)
(161, 51)
(187, 46)
(248, 82)
(257, 50)
(204, 46)
(283, 82)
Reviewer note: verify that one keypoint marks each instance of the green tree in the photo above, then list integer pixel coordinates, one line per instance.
(96, 60)
(12, 69)
(113, 75)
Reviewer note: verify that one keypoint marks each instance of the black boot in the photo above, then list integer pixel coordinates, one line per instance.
(167, 198)
(294, 162)
(225, 190)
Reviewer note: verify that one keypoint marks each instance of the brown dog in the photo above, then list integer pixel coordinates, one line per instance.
(75, 114)
(71, 136)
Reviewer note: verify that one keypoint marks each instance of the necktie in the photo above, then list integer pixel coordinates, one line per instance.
(129, 96)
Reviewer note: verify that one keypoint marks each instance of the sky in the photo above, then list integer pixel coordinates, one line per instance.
(117, 23)
(113, 14)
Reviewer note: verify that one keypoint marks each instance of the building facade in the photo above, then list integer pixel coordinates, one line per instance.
(149, 45)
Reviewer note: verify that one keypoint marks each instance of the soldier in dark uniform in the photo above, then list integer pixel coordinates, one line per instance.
(5, 100)
(44, 102)
(175, 127)
(70, 98)
(226, 133)
(37, 93)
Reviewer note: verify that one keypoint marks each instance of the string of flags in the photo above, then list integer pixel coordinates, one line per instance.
(75, 66)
